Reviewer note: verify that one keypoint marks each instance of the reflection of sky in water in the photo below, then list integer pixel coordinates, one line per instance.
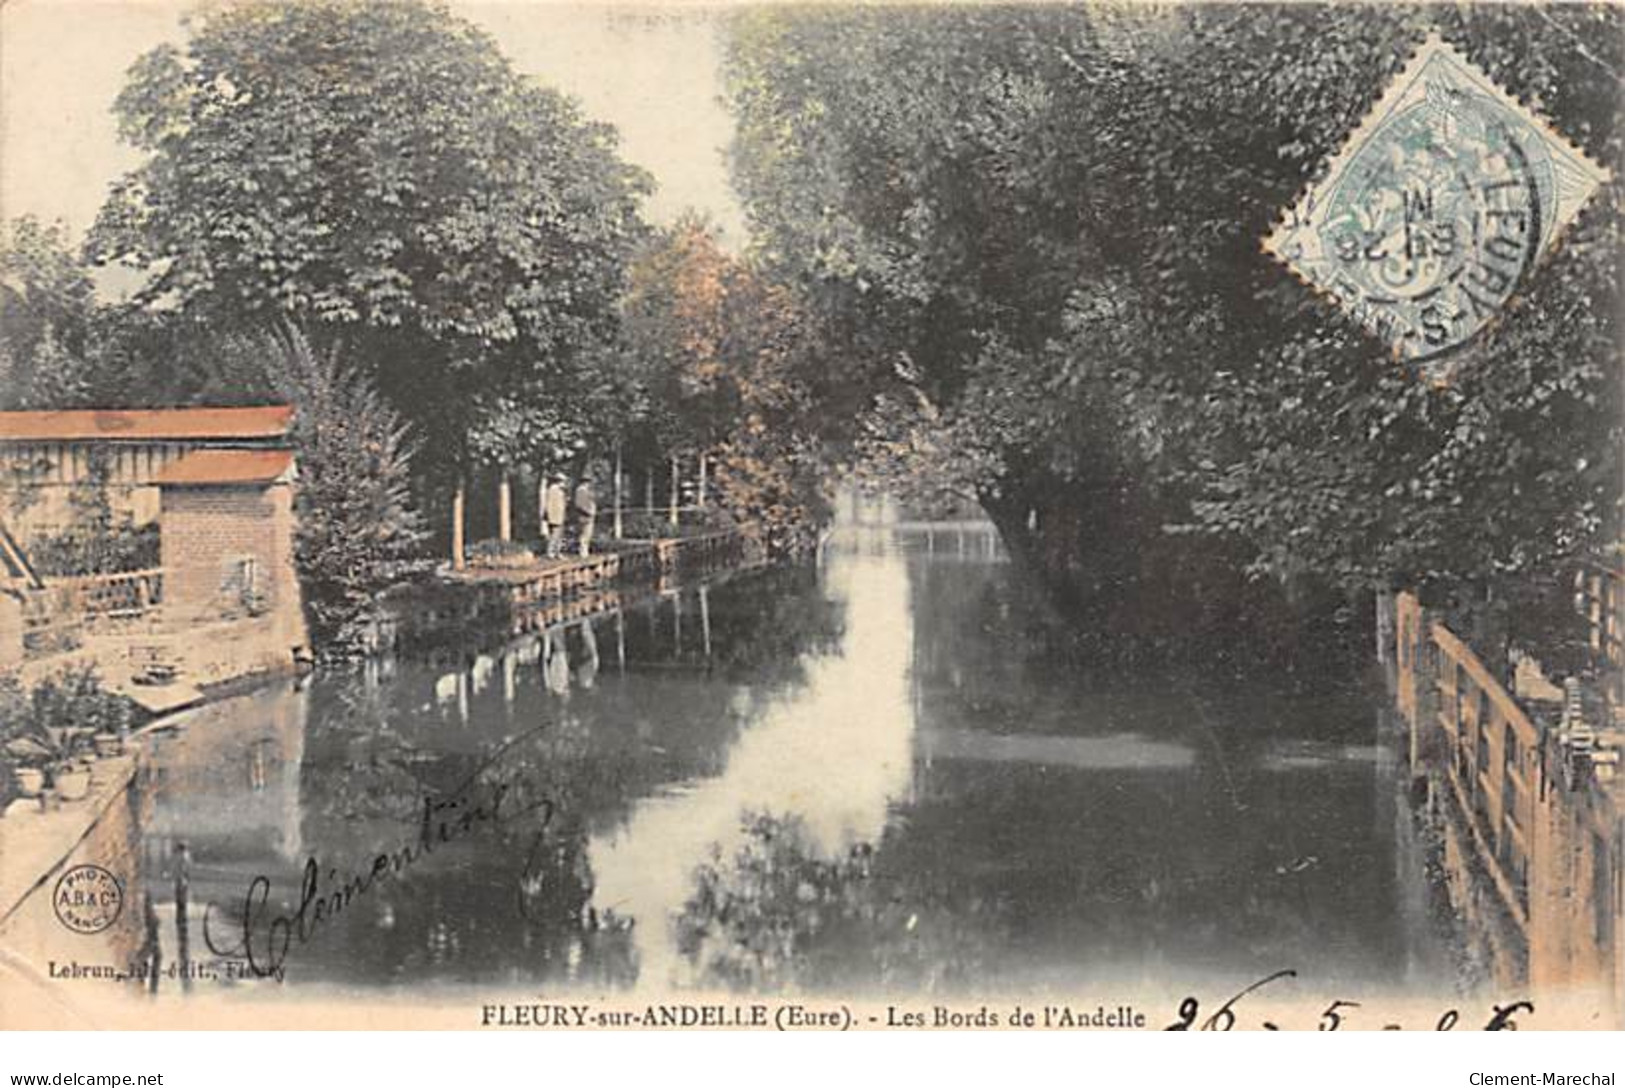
(1115, 752)
(835, 752)
(1051, 826)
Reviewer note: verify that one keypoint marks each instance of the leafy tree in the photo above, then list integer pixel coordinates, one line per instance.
(675, 312)
(356, 521)
(378, 173)
(47, 305)
(155, 359)
(1042, 225)
(718, 358)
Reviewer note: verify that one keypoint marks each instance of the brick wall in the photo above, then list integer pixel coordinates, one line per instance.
(228, 555)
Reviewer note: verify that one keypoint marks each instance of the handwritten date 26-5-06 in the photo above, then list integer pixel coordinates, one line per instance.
(1336, 1014)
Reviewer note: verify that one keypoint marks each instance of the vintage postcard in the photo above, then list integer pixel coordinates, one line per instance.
(1093, 516)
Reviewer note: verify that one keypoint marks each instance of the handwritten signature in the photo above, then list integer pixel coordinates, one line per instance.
(491, 798)
(1501, 1017)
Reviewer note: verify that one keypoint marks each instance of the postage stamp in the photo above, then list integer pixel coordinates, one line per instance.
(1438, 207)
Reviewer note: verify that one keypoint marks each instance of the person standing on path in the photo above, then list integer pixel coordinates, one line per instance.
(553, 511)
(586, 504)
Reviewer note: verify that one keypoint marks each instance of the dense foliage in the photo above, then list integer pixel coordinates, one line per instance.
(720, 358)
(1035, 233)
(378, 173)
(98, 538)
(377, 177)
(47, 304)
(780, 913)
(1011, 252)
(356, 519)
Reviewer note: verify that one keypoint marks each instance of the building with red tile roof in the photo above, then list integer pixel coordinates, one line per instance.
(223, 599)
(267, 423)
(221, 468)
(48, 457)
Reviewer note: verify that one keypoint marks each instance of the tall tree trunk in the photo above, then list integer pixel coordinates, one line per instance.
(458, 501)
(504, 508)
(618, 483)
(675, 488)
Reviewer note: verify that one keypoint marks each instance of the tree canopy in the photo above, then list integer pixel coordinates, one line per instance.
(378, 173)
(719, 361)
(1006, 250)
(47, 309)
(1043, 226)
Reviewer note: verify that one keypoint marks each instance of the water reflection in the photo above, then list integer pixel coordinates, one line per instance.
(834, 751)
(944, 798)
(609, 708)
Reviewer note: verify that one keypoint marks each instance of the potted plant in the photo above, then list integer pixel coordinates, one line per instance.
(32, 754)
(53, 733)
(72, 780)
(64, 752)
(76, 775)
(28, 780)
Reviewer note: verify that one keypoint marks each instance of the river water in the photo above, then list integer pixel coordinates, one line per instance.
(870, 775)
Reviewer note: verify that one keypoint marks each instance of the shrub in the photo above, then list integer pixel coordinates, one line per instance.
(499, 553)
(356, 517)
(80, 550)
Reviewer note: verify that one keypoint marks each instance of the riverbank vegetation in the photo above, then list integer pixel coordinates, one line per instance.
(723, 362)
(1034, 235)
(357, 522)
(779, 913)
(1002, 252)
(366, 210)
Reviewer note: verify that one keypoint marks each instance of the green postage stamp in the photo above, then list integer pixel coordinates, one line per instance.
(1437, 208)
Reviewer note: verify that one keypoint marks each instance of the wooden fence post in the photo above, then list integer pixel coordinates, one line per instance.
(705, 620)
(152, 946)
(620, 640)
(183, 887)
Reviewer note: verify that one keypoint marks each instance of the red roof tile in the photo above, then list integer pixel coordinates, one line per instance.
(271, 421)
(203, 468)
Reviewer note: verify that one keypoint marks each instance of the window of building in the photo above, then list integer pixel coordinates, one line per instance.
(244, 585)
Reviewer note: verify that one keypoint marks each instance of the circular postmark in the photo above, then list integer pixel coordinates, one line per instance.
(88, 899)
(1437, 220)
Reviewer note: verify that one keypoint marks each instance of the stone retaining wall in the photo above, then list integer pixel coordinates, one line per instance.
(38, 847)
